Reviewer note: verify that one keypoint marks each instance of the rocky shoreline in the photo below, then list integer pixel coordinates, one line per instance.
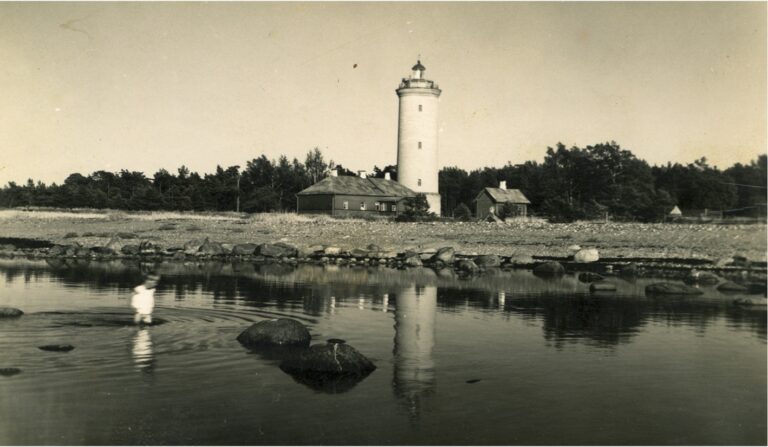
(127, 246)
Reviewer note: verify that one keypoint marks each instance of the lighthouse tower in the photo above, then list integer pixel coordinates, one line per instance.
(417, 135)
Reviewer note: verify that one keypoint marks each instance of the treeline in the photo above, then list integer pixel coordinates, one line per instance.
(571, 183)
(606, 180)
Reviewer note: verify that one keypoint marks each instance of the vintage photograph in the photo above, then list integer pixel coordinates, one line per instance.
(383, 223)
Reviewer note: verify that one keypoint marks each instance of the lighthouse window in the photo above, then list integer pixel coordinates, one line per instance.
(419, 107)
(419, 144)
(419, 182)
(346, 205)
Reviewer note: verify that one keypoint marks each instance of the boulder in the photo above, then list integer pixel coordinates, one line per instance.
(83, 252)
(193, 246)
(276, 332)
(586, 255)
(412, 260)
(56, 348)
(359, 253)
(130, 250)
(227, 248)
(732, 287)
(244, 249)
(751, 302)
(602, 286)
(114, 244)
(149, 248)
(57, 250)
(521, 260)
(667, 288)
(211, 248)
(329, 360)
(590, 277)
(8, 372)
(487, 261)
(629, 270)
(698, 277)
(550, 268)
(10, 312)
(332, 251)
(574, 248)
(277, 250)
(467, 266)
(373, 247)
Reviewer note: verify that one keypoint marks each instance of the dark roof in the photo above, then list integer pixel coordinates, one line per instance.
(418, 66)
(358, 186)
(499, 195)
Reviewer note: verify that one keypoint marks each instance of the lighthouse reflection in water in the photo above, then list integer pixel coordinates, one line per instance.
(414, 375)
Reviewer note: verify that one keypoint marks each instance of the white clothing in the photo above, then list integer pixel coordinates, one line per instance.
(143, 300)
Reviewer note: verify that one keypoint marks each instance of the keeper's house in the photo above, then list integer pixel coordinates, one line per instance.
(349, 196)
(491, 200)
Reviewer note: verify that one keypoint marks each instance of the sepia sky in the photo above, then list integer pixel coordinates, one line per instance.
(143, 86)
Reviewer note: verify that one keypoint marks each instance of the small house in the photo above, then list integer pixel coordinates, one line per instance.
(490, 201)
(350, 196)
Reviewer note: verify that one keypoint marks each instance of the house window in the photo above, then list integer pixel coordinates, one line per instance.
(346, 205)
(419, 182)
(377, 206)
(419, 107)
(394, 208)
(362, 206)
(419, 144)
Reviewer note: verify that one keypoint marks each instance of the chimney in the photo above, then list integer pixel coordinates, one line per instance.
(387, 176)
(503, 184)
(334, 173)
(362, 174)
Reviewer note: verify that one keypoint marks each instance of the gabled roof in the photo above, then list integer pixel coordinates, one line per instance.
(358, 186)
(675, 211)
(499, 195)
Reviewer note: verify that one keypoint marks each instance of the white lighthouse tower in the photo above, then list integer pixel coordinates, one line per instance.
(417, 136)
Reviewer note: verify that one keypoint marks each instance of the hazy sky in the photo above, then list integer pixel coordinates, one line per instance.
(91, 86)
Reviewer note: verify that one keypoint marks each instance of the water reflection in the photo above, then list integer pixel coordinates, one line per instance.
(414, 374)
(143, 355)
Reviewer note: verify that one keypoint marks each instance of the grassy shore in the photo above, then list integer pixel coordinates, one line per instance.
(696, 241)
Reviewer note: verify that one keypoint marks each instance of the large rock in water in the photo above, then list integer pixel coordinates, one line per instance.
(467, 266)
(586, 255)
(333, 367)
(412, 259)
(277, 332)
(698, 277)
(668, 288)
(551, 268)
(10, 312)
(244, 249)
(732, 287)
(211, 248)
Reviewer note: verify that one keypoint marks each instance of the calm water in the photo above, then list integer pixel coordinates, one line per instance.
(547, 363)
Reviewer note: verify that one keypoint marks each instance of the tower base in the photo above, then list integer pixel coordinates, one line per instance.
(433, 199)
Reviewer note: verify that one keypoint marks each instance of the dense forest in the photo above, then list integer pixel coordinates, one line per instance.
(571, 183)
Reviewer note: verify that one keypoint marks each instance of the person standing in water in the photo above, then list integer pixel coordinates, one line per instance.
(143, 300)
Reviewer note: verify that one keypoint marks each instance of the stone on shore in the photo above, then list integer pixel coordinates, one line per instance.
(586, 255)
(467, 266)
(666, 288)
(130, 250)
(412, 259)
(602, 286)
(550, 268)
(486, 261)
(277, 332)
(244, 249)
(521, 260)
(10, 312)
(277, 250)
(211, 248)
(193, 246)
